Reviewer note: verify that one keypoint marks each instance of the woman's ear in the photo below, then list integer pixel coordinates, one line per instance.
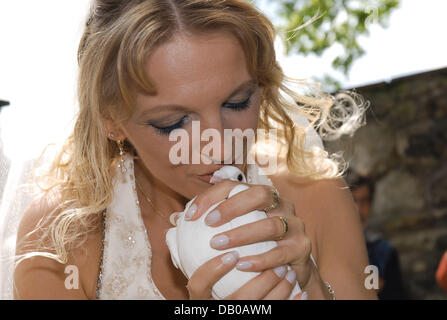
(113, 130)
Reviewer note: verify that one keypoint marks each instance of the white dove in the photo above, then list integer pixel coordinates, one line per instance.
(189, 241)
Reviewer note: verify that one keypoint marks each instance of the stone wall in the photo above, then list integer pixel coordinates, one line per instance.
(403, 147)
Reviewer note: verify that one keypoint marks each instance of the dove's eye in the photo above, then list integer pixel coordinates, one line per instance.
(239, 177)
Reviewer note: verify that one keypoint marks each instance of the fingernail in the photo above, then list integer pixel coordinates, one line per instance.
(219, 241)
(280, 271)
(191, 210)
(304, 296)
(230, 257)
(243, 265)
(291, 276)
(213, 217)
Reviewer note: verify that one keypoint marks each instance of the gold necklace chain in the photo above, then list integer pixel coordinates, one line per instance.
(152, 204)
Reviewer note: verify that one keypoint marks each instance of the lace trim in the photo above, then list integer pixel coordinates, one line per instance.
(101, 265)
(148, 244)
(148, 247)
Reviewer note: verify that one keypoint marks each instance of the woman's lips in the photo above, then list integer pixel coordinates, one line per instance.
(206, 177)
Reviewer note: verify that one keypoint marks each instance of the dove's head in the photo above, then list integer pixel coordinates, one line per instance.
(228, 172)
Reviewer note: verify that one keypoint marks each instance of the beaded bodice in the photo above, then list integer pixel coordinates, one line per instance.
(125, 271)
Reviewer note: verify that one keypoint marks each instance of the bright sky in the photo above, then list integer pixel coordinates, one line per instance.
(39, 41)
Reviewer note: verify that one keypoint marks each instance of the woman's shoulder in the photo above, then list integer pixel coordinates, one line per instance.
(319, 203)
(307, 189)
(38, 213)
(34, 274)
(317, 200)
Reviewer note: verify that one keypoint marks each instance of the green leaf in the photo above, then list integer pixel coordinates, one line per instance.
(339, 21)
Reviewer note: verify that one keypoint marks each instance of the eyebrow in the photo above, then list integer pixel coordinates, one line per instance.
(175, 107)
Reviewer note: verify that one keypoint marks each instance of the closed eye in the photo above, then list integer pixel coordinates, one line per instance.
(167, 130)
(238, 106)
(235, 106)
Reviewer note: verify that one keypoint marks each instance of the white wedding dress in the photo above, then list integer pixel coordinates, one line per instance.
(125, 271)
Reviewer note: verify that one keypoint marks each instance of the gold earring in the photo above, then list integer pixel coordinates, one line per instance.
(121, 165)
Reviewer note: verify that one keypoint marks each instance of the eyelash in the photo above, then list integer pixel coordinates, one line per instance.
(239, 106)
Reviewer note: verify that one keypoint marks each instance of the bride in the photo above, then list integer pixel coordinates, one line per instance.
(152, 67)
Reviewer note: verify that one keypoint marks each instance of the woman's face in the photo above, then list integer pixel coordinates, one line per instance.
(198, 77)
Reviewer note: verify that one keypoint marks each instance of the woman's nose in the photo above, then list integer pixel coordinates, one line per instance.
(216, 144)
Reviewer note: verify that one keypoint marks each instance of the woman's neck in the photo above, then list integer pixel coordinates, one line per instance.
(163, 198)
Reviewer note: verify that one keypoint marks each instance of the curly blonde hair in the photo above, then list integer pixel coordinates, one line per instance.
(118, 37)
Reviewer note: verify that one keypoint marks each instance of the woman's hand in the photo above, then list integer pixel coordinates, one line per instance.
(268, 285)
(294, 249)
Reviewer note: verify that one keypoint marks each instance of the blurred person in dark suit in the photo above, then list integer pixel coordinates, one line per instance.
(381, 252)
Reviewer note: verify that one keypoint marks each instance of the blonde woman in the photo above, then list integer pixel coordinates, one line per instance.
(148, 67)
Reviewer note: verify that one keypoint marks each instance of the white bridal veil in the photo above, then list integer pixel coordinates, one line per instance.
(17, 193)
(38, 64)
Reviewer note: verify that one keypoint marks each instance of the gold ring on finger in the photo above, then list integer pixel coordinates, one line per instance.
(285, 227)
(275, 201)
